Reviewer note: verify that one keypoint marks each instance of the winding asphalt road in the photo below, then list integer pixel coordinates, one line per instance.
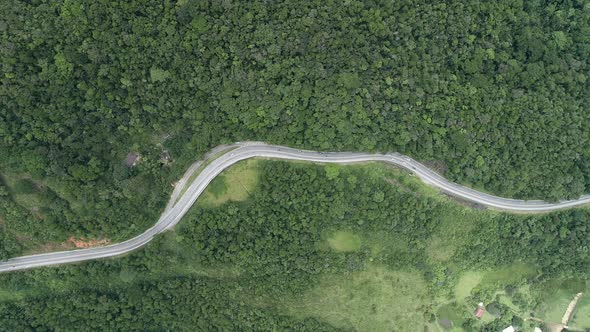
(177, 209)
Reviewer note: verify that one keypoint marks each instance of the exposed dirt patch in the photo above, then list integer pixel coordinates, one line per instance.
(69, 244)
(84, 243)
(445, 323)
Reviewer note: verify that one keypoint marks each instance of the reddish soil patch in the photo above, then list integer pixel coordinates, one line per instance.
(71, 243)
(84, 243)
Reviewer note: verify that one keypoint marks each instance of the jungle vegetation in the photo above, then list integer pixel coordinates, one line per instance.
(321, 248)
(494, 94)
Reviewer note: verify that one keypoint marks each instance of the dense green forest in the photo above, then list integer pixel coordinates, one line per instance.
(321, 248)
(493, 93)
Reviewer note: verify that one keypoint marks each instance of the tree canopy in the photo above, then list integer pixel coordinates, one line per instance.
(497, 90)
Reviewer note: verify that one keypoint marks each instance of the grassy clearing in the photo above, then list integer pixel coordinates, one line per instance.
(343, 241)
(25, 191)
(508, 275)
(439, 249)
(385, 245)
(467, 282)
(233, 184)
(556, 296)
(581, 318)
(454, 227)
(450, 317)
(494, 280)
(373, 300)
(554, 306)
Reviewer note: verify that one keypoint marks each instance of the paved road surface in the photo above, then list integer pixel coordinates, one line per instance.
(174, 213)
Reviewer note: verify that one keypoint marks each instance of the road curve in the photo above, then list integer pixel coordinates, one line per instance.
(175, 211)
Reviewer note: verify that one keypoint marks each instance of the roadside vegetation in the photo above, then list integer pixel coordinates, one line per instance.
(39, 214)
(322, 248)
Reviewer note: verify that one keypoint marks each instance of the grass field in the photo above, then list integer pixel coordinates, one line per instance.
(454, 226)
(581, 318)
(556, 296)
(507, 275)
(233, 184)
(372, 300)
(343, 241)
(25, 191)
(467, 282)
(450, 316)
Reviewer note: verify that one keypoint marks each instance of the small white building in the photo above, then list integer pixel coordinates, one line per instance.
(509, 329)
